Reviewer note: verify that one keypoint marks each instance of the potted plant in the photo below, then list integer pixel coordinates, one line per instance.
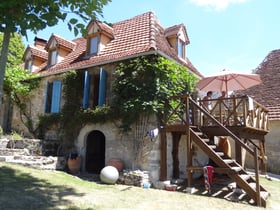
(74, 162)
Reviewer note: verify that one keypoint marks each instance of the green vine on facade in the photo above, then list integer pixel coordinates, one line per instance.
(143, 85)
(72, 116)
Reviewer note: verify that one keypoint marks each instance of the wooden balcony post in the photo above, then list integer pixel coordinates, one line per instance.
(175, 151)
(258, 196)
(163, 155)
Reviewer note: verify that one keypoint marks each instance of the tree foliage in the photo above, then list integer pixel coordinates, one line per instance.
(16, 50)
(35, 15)
(143, 85)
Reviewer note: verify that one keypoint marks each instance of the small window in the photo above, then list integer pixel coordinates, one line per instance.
(93, 45)
(181, 49)
(53, 57)
(28, 65)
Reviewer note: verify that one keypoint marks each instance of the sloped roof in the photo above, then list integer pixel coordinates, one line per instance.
(61, 42)
(136, 36)
(175, 30)
(38, 52)
(268, 93)
(103, 27)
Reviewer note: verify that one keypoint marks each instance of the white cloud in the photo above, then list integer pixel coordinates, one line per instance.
(216, 4)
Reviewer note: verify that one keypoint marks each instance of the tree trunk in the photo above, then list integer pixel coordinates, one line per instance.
(4, 58)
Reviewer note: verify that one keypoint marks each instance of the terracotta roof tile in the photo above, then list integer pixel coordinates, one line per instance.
(38, 52)
(61, 41)
(106, 28)
(268, 93)
(141, 34)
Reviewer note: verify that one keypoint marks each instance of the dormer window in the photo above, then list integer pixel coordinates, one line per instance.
(33, 57)
(53, 56)
(181, 49)
(93, 45)
(178, 39)
(28, 65)
(98, 36)
(58, 48)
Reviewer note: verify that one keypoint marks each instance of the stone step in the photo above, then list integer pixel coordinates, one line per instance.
(3, 143)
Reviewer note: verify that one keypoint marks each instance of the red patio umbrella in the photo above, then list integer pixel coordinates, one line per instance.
(228, 81)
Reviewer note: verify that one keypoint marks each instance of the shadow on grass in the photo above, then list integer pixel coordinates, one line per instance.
(20, 190)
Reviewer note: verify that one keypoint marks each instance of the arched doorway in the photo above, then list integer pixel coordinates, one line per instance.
(95, 152)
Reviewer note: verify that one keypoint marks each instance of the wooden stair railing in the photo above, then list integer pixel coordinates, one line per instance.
(231, 168)
(227, 165)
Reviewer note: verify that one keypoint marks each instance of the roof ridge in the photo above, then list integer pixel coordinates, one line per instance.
(153, 20)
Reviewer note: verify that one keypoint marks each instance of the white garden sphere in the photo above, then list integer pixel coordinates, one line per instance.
(109, 175)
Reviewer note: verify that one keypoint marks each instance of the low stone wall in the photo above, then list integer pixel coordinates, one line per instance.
(135, 178)
(29, 152)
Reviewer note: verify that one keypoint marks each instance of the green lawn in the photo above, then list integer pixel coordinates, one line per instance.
(26, 188)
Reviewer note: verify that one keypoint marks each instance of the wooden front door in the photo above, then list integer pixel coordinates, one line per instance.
(95, 152)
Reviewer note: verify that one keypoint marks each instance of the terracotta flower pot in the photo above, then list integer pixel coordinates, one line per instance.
(117, 163)
(74, 164)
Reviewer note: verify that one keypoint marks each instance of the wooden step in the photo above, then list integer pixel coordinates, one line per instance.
(205, 140)
(213, 146)
(245, 176)
(199, 133)
(265, 195)
(253, 185)
(220, 154)
(228, 161)
(236, 168)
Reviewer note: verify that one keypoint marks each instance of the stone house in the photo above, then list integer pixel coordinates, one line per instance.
(96, 56)
(268, 94)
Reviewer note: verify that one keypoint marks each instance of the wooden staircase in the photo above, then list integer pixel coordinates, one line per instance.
(190, 119)
(230, 167)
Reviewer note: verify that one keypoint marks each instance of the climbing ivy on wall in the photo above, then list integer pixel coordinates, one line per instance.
(140, 87)
(143, 84)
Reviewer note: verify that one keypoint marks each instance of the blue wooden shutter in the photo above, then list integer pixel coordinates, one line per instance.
(47, 99)
(56, 92)
(86, 89)
(102, 88)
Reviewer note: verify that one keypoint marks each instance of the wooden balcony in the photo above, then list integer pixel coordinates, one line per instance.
(240, 119)
(236, 112)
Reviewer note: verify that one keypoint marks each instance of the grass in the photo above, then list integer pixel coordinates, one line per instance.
(27, 188)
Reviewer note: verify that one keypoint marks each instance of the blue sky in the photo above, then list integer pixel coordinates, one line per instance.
(224, 34)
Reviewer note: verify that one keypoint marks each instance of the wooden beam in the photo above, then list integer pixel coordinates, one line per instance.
(163, 155)
(175, 151)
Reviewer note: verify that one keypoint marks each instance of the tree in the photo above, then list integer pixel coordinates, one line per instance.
(16, 50)
(14, 59)
(35, 15)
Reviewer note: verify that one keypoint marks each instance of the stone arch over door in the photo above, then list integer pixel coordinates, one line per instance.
(95, 152)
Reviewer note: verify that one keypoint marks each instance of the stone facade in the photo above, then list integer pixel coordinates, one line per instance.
(272, 145)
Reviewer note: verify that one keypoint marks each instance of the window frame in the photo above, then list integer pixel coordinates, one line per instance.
(53, 96)
(181, 49)
(53, 58)
(28, 64)
(93, 44)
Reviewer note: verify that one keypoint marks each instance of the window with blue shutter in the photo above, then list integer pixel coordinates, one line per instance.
(86, 90)
(102, 88)
(48, 97)
(56, 92)
(53, 96)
